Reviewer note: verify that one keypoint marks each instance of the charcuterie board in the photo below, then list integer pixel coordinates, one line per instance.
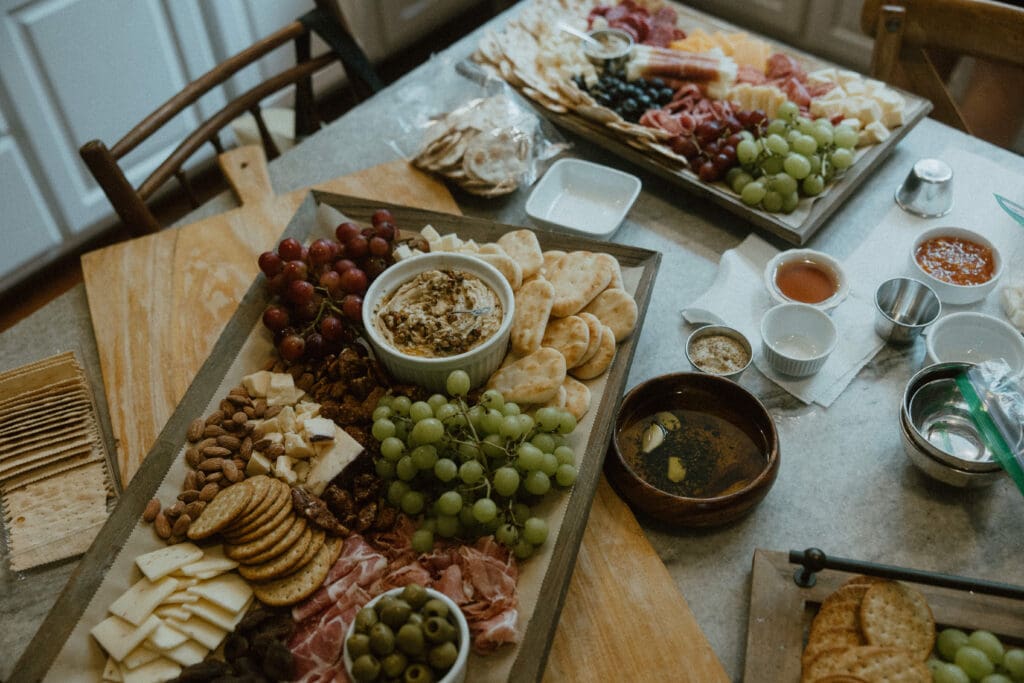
(563, 106)
(781, 612)
(102, 574)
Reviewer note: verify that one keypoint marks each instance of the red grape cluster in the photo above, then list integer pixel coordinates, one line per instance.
(711, 150)
(320, 288)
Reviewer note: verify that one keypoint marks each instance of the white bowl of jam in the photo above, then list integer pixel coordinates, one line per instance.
(959, 264)
(806, 276)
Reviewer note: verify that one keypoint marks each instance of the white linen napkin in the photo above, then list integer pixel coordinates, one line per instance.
(738, 298)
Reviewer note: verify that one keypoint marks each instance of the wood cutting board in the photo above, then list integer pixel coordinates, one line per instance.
(158, 304)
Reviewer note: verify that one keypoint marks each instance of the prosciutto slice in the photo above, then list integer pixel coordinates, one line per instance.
(659, 29)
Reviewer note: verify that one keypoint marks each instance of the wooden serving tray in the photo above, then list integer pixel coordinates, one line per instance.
(529, 657)
(781, 613)
(822, 207)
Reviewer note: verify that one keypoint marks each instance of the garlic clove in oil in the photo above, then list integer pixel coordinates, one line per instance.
(667, 420)
(654, 436)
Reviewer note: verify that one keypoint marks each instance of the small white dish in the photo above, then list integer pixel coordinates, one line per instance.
(432, 373)
(457, 674)
(815, 263)
(948, 292)
(584, 198)
(974, 338)
(797, 339)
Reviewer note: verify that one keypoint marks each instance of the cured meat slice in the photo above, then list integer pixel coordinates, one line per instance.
(358, 564)
(491, 634)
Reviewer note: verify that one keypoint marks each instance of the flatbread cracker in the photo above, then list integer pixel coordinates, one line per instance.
(522, 246)
(531, 379)
(569, 336)
(871, 663)
(270, 545)
(281, 565)
(596, 366)
(577, 397)
(533, 307)
(616, 309)
(577, 278)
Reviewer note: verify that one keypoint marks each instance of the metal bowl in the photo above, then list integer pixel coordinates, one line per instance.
(718, 330)
(614, 53)
(941, 471)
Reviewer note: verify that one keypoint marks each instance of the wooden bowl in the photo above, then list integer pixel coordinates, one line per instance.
(706, 403)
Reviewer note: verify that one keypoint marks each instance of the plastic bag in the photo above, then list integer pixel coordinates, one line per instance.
(995, 396)
(474, 130)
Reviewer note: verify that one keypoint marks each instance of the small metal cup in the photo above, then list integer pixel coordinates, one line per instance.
(903, 308)
(928, 190)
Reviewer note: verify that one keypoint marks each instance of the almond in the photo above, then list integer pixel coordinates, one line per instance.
(216, 452)
(195, 508)
(272, 411)
(175, 509)
(193, 457)
(214, 477)
(240, 418)
(190, 481)
(214, 431)
(275, 450)
(231, 471)
(245, 448)
(215, 418)
(260, 407)
(181, 526)
(227, 407)
(195, 430)
(211, 465)
(208, 493)
(240, 400)
(162, 526)
(189, 496)
(228, 441)
(151, 511)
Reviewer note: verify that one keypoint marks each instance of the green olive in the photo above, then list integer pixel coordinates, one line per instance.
(394, 664)
(438, 630)
(366, 668)
(365, 618)
(382, 639)
(443, 656)
(435, 608)
(416, 595)
(416, 619)
(396, 614)
(418, 673)
(358, 645)
(384, 602)
(410, 639)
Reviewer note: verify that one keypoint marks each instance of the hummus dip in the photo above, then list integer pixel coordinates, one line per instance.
(439, 313)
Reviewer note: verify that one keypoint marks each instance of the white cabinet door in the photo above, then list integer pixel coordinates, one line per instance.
(74, 70)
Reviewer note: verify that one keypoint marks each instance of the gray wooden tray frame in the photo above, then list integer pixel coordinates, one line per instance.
(781, 614)
(532, 652)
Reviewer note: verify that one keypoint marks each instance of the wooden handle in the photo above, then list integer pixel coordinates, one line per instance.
(246, 171)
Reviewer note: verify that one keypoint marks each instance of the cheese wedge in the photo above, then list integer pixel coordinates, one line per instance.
(159, 563)
(331, 462)
(229, 591)
(430, 234)
(319, 429)
(139, 601)
(296, 447)
(118, 637)
(258, 464)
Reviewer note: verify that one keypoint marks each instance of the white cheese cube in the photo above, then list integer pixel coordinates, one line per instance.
(829, 108)
(402, 252)
(430, 234)
(307, 409)
(469, 247)
(301, 470)
(855, 87)
(297, 447)
(844, 76)
(118, 637)
(836, 93)
(286, 419)
(138, 602)
(873, 133)
(449, 242)
(283, 469)
(280, 389)
(319, 429)
(258, 464)
(823, 76)
(852, 123)
(270, 426)
(257, 384)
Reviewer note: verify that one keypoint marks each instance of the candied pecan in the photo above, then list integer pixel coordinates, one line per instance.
(307, 505)
(366, 516)
(339, 501)
(387, 516)
(366, 486)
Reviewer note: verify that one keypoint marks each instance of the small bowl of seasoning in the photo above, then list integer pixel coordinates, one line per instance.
(806, 276)
(961, 265)
(719, 350)
(608, 47)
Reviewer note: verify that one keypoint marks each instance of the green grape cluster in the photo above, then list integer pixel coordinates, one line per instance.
(471, 471)
(979, 656)
(793, 157)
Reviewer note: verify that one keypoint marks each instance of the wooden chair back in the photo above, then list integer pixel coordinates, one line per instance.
(908, 32)
(130, 202)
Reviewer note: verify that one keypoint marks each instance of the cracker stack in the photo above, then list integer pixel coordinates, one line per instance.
(870, 631)
(54, 482)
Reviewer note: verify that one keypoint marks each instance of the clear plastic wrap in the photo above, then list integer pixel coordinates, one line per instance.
(473, 130)
(995, 395)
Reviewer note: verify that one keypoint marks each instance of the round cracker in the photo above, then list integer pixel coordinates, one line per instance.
(871, 663)
(601, 360)
(300, 585)
(295, 531)
(282, 564)
(253, 549)
(279, 496)
(255, 532)
(315, 543)
(262, 491)
(896, 615)
(221, 511)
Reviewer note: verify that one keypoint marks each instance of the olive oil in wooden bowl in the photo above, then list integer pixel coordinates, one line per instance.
(693, 450)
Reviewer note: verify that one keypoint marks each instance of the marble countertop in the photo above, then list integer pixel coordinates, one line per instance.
(844, 484)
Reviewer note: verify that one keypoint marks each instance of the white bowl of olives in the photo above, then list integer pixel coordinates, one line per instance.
(411, 633)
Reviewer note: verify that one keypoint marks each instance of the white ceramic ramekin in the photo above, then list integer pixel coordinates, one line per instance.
(948, 292)
(432, 373)
(797, 339)
(810, 256)
(974, 338)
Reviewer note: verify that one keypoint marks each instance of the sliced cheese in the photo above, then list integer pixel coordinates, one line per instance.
(200, 631)
(118, 637)
(140, 655)
(178, 598)
(229, 591)
(280, 389)
(159, 563)
(297, 447)
(167, 637)
(138, 602)
(257, 384)
(319, 429)
(188, 653)
(213, 559)
(331, 462)
(173, 611)
(216, 615)
(157, 671)
(258, 464)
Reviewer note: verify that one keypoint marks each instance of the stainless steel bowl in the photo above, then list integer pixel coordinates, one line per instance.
(927, 190)
(725, 331)
(937, 432)
(903, 308)
(615, 48)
